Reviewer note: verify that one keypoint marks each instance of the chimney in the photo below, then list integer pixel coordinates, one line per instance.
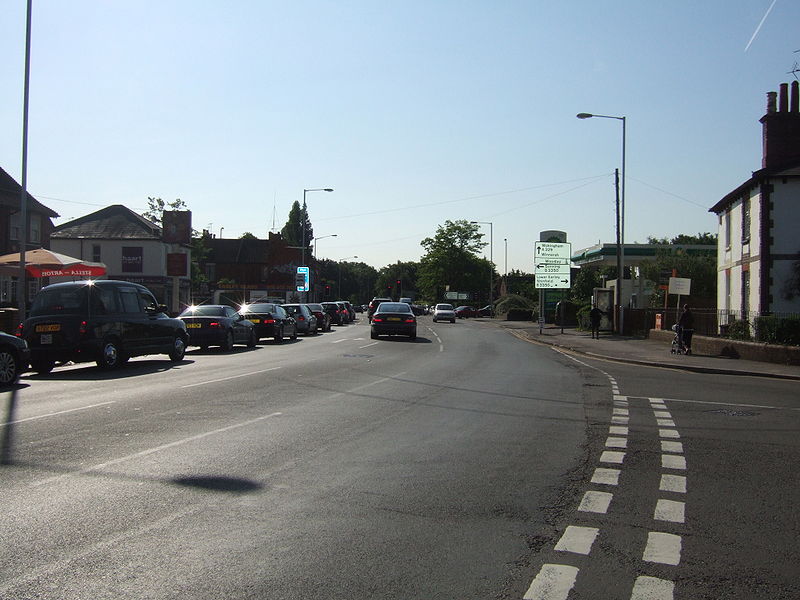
(781, 128)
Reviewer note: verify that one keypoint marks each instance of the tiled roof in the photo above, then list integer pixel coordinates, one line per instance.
(113, 222)
(10, 194)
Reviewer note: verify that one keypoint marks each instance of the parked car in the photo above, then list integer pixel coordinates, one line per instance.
(444, 312)
(373, 305)
(305, 320)
(323, 318)
(336, 312)
(465, 312)
(14, 357)
(105, 321)
(217, 325)
(393, 318)
(351, 312)
(486, 311)
(270, 320)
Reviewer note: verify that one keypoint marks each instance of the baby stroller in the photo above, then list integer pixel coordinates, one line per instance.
(678, 347)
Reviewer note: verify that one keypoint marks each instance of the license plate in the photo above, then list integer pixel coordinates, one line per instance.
(193, 326)
(46, 328)
(254, 320)
(394, 319)
(46, 338)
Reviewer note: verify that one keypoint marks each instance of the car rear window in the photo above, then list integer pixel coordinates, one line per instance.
(259, 308)
(397, 307)
(204, 311)
(60, 301)
(444, 307)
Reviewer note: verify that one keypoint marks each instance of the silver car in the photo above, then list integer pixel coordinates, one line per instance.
(444, 312)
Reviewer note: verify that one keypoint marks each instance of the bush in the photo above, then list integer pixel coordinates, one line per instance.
(521, 314)
(583, 316)
(739, 330)
(777, 330)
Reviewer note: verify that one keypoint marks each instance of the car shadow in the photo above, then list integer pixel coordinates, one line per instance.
(218, 350)
(90, 372)
(401, 338)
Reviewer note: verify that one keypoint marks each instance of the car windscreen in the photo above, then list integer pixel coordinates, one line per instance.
(60, 301)
(204, 311)
(394, 307)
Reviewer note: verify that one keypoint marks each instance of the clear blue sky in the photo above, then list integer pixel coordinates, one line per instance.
(415, 112)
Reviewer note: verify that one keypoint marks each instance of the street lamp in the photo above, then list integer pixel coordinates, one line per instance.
(620, 223)
(305, 217)
(303, 227)
(340, 261)
(491, 259)
(321, 238)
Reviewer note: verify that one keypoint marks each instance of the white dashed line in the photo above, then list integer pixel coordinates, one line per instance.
(618, 430)
(339, 341)
(229, 378)
(620, 420)
(621, 411)
(665, 422)
(610, 456)
(368, 345)
(662, 414)
(670, 461)
(652, 588)
(676, 447)
(54, 414)
(670, 510)
(668, 433)
(673, 483)
(596, 502)
(664, 548)
(553, 582)
(606, 476)
(577, 540)
(617, 442)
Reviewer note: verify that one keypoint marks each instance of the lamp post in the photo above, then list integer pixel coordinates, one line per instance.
(620, 223)
(491, 259)
(303, 227)
(340, 261)
(321, 238)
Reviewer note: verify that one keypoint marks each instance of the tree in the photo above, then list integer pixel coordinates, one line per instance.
(709, 239)
(405, 272)
(451, 261)
(701, 269)
(247, 236)
(157, 206)
(292, 232)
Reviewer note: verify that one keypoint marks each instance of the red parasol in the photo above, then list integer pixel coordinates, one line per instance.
(46, 263)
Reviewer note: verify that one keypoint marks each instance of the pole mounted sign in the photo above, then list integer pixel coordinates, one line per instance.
(302, 279)
(552, 264)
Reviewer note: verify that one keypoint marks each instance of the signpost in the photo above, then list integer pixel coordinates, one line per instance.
(302, 279)
(552, 265)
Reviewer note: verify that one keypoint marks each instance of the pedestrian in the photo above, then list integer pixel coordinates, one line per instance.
(686, 329)
(595, 315)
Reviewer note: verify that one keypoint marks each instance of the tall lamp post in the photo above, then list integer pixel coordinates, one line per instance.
(303, 227)
(322, 237)
(340, 261)
(620, 224)
(491, 259)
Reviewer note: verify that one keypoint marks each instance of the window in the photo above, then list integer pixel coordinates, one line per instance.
(727, 229)
(14, 233)
(745, 220)
(36, 229)
(96, 257)
(130, 300)
(745, 293)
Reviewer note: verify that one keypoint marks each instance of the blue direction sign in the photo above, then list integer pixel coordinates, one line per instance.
(302, 279)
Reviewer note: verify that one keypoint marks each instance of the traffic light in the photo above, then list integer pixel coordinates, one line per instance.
(327, 291)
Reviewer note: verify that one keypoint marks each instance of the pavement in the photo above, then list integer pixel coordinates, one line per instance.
(641, 351)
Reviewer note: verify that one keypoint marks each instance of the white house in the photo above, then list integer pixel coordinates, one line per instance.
(758, 255)
(132, 248)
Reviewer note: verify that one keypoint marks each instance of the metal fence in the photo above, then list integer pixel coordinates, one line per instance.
(707, 321)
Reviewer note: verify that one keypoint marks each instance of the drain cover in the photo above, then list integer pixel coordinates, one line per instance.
(733, 413)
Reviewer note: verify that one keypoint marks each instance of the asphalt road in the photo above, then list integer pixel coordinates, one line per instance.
(335, 466)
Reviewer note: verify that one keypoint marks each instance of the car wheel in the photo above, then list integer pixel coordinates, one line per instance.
(434, 320)
(178, 349)
(42, 366)
(227, 345)
(452, 320)
(110, 355)
(373, 335)
(294, 333)
(279, 336)
(252, 340)
(9, 368)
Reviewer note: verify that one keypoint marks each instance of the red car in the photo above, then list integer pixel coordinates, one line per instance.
(465, 312)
